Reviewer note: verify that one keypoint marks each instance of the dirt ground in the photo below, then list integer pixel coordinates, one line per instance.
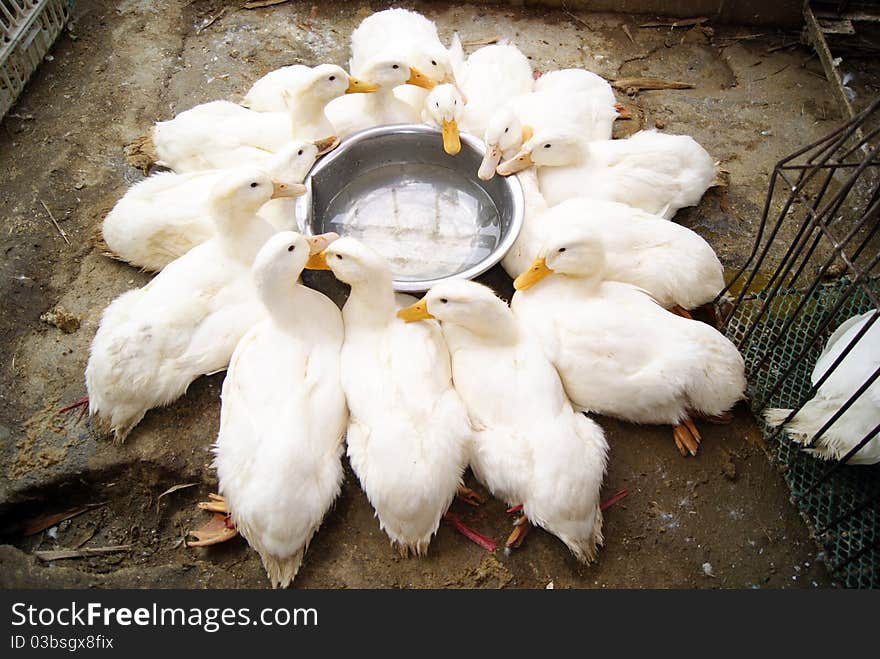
(722, 519)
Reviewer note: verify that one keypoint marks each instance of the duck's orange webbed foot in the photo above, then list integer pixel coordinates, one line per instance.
(687, 437)
(470, 496)
(219, 529)
(521, 528)
(80, 403)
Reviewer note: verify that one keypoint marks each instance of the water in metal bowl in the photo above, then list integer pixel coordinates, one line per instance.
(394, 188)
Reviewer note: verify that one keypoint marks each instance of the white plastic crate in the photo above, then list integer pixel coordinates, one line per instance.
(28, 28)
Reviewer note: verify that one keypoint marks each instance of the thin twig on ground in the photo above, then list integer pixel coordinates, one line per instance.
(55, 222)
(58, 554)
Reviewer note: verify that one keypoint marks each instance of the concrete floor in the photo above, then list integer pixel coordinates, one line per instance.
(134, 62)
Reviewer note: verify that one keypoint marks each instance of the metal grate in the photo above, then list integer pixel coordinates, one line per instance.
(827, 195)
(28, 28)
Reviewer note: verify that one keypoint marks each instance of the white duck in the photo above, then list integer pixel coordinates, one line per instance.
(154, 341)
(406, 33)
(618, 352)
(220, 134)
(291, 89)
(862, 417)
(530, 446)
(491, 77)
(573, 101)
(656, 172)
(164, 216)
(349, 114)
(408, 432)
(670, 262)
(279, 450)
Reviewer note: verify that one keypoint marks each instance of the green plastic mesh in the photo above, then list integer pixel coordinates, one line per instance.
(851, 543)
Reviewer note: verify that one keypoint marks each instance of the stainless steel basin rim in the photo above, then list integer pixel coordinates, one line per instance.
(505, 192)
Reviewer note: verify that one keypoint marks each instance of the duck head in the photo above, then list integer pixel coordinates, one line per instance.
(282, 259)
(571, 251)
(465, 304)
(434, 64)
(504, 134)
(549, 148)
(353, 263)
(328, 81)
(390, 72)
(292, 163)
(443, 109)
(244, 190)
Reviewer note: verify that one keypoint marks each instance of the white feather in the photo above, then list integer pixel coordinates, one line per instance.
(164, 216)
(220, 134)
(618, 352)
(653, 171)
(279, 450)
(530, 447)
(154, 341)
(864, 414)
(672, 263)
(408, 435)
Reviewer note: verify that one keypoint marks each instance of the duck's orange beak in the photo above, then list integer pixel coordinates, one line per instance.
(287, 190)
(356, 86)
(318, 261)
(522, 160)
(414, 312)
(419, 79)
(490, 162)
(451, 139)
(536, 272)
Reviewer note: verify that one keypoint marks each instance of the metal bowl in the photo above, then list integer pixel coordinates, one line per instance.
(396, 189)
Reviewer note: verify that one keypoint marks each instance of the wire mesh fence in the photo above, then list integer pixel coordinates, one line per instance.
(788, 301)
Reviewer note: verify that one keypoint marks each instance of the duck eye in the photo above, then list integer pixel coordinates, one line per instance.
(300, 152)
(254, 184)
(332, 78)
(339, 256)
(437, 104)
(433, 62)
(546, 146)
(290, 249)
(444, 300)
(395, 66)
(506, 129)
(455, 102)
(561, 249)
